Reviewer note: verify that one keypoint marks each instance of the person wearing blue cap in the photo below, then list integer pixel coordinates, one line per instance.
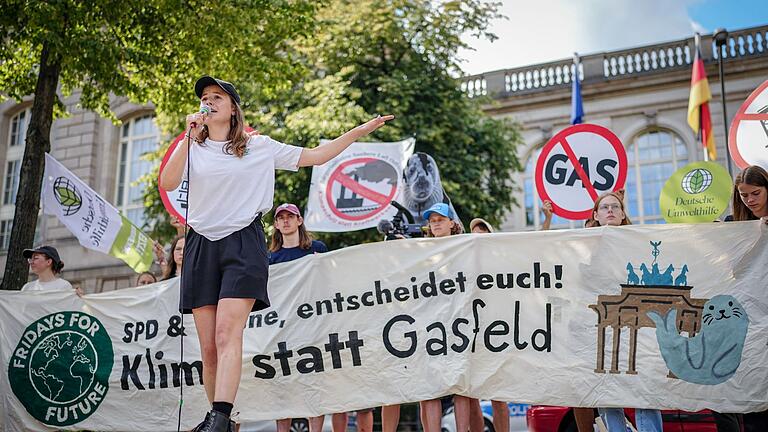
(231, 181)
(442, 222)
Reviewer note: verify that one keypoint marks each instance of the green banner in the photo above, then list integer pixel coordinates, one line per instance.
(698, 192)
(132, 246)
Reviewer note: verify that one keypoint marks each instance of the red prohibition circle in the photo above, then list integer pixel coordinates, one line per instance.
(561, 139)
(163, 193)
(740, 116)
(338, 176)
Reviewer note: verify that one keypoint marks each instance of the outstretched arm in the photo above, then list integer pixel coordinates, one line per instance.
(324, 153)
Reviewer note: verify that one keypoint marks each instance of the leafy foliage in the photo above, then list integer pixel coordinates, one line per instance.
(400, 57)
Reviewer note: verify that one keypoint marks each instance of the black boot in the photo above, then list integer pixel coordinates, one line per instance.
(214, 422)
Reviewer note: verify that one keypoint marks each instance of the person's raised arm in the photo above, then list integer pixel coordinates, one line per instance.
(324, 153)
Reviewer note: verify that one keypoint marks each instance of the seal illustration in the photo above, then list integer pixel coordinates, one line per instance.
(713, 355)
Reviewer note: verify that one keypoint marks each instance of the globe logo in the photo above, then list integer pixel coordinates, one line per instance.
(60, 368)
(696, 181)
(67, 195)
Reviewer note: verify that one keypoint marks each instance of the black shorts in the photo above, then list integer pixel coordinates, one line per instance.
(236, 266)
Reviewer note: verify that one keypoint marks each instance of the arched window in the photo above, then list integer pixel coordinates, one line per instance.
(653, 156)
(533, 215)
(138, 137)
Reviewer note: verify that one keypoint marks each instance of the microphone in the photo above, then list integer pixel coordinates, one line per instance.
(204, 110)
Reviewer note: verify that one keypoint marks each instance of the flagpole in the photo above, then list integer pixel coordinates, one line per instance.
(721, 37)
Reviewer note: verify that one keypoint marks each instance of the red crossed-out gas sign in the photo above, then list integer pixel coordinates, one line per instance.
(748, 136)
(576, 166)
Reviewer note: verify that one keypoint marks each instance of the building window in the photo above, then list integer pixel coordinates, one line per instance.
(138, 137)
(14, 153)
(652, 156)
(5, 234)
(533, 215)
(12, 175)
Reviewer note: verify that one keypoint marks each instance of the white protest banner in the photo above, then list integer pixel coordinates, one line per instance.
(748, 135)
(94, 221)
(576, 166)
(353, 191)
(585, 317)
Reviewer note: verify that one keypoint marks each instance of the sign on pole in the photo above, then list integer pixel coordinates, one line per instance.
(698, 192)
(576, 166)
(748, 136)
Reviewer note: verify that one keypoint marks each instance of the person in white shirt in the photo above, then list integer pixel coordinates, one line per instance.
(231, 179)
(46, 264)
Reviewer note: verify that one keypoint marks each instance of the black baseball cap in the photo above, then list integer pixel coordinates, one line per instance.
(49, 251)
(206, 81)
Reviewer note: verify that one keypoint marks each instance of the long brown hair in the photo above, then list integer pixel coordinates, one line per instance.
(592, 222)
(171, 269)
(456, 228)
(754, 176)
(237, 138)
(305, 239)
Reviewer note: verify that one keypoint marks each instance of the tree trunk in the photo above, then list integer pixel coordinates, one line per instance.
(38, 142)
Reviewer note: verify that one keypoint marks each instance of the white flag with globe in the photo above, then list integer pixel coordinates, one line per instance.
(95, 222)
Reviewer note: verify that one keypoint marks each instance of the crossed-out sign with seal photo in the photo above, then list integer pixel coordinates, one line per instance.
(576, 166)
(350, 193)
(748, 135)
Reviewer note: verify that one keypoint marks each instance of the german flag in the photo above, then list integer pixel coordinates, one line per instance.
(698, 105)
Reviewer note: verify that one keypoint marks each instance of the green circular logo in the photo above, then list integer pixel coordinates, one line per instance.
(67, 195)
(60, 368)
(696, 181)
(696, 193)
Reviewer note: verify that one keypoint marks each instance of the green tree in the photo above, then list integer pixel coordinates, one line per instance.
(400, 57)
(393, 57)
(147, 51)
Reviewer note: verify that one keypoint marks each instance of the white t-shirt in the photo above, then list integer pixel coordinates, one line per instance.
(56, 284)
(226, 192)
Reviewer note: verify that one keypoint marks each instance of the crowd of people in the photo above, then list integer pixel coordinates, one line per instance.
(222, 260)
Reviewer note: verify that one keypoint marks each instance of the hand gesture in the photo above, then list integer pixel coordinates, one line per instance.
(375, 123)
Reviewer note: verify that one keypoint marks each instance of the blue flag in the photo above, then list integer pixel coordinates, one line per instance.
(577, 109)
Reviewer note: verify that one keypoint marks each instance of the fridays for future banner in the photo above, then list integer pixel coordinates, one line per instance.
(588, 317)
(95, 222)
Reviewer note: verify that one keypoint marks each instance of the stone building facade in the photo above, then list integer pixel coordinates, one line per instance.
(640, 93)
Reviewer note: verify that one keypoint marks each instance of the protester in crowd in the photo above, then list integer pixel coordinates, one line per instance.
(177, 225)
(500, 408)
(145, 278)
(750, 195)
(175, 258)
(609, 211)
(291, 240)
(44, 262)
(441, 223)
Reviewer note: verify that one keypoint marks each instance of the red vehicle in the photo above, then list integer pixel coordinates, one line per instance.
(542, 418)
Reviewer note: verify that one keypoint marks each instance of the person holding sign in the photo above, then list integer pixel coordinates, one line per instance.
(609, 210)
(442, 223)
(231, 177)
